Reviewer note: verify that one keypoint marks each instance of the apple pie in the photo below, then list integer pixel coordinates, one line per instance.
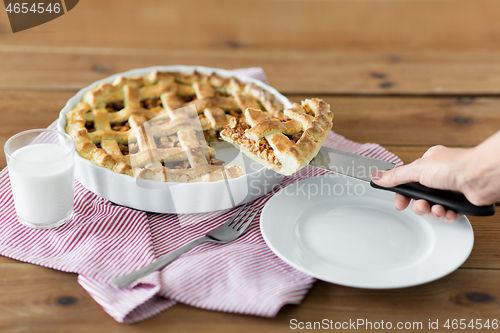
(284, 144)
(157, 126)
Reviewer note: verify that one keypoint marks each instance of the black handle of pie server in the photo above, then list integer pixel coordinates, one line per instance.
(452, 200)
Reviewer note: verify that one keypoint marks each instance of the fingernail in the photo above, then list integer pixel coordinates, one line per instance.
(377, 175)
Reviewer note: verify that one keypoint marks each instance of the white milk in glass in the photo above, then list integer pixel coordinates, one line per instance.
(41, 177)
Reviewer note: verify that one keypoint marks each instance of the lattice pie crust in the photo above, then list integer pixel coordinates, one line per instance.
(156, 126)
(284, 144)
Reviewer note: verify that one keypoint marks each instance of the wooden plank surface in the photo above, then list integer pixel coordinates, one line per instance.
(415, 121)
(45, 300)
(297, 24)
(345, 72)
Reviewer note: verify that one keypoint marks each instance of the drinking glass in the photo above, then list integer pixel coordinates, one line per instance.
(41, 171)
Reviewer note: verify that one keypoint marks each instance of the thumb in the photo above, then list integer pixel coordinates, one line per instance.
(399, 175)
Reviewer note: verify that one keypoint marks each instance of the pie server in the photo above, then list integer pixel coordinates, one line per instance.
(360, 167)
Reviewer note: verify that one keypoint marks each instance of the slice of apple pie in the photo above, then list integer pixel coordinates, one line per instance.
(285, 144)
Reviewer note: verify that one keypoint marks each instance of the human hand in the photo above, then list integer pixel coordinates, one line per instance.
(473, 171)
(439, 168)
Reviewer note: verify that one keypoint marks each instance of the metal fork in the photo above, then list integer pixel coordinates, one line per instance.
(224, 234)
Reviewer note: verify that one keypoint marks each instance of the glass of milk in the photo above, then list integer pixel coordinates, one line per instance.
(41, 171)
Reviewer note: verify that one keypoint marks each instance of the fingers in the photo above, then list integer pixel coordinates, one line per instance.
(401, 201)
(434, 150)
(421, 207)
(436, 212)
(451, 216)
(400, 175)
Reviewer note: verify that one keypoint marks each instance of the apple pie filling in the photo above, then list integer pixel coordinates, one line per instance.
(236, 131)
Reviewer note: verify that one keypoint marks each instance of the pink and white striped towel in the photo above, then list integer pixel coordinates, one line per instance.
(105, 240)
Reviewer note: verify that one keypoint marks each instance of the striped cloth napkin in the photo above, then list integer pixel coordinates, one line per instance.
(105, 240)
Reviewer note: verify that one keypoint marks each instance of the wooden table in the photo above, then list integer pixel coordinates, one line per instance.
(404, 74)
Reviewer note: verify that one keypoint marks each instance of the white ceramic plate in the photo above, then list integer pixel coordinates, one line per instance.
(178, 198)
(340, 230)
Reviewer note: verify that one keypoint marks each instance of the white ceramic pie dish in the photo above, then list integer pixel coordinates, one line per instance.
(179, 198)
